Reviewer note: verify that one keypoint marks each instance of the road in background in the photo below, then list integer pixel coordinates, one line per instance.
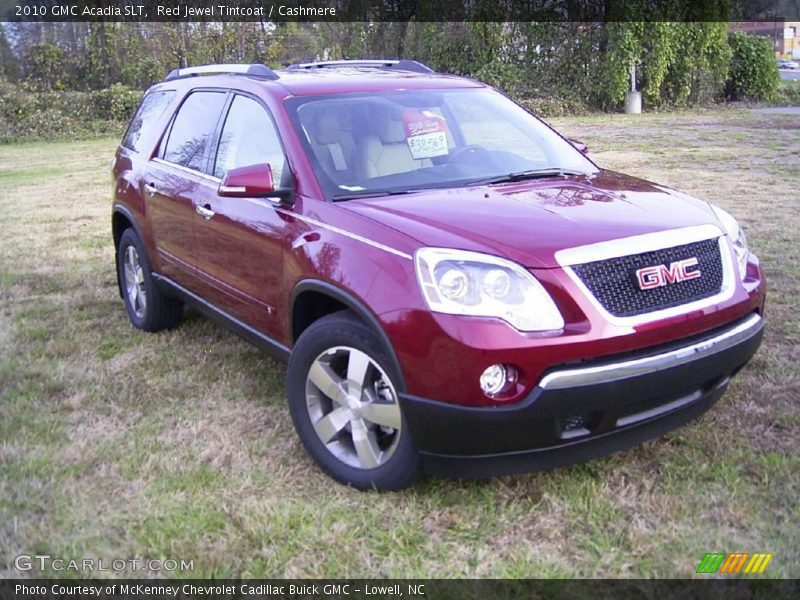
(790, 74)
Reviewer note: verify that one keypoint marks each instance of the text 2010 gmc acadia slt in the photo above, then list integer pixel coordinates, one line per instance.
(457, 288)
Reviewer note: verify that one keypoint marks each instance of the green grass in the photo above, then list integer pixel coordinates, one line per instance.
(117, 444)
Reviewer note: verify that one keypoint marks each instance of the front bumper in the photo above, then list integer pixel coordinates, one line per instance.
(582, 411)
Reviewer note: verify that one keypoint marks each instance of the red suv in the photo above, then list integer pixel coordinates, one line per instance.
(457, 288)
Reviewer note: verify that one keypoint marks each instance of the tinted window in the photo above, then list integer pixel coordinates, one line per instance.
(418, 139)
(249, 138)
(485, 126)
(150, 110)
(192, 129)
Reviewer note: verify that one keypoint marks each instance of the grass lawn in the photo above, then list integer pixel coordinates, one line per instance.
(121, 444)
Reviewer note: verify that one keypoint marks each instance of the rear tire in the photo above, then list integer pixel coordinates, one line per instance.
(343, 398)
(147, 307)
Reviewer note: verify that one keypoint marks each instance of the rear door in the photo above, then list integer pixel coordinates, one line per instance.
(171, 181)
(240, 241)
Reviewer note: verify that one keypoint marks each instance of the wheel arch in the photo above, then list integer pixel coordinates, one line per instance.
(334, 299)
(122, 219)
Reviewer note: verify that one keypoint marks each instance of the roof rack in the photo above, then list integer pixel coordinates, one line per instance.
(398, 65)
(254, 70)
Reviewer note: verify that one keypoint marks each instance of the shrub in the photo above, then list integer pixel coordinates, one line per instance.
(499, 75)
(554, 107)
(49, 123)
(789, 93)
(753, 74)
(116, 103)
(13, 104)
(27, 113)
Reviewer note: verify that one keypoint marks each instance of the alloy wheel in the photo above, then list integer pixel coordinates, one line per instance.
(353, 407)
(134, 282)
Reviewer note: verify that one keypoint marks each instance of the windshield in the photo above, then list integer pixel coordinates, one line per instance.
(398, 142)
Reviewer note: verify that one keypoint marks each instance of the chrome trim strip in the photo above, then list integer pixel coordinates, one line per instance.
(161, 161)
(272, 204)
(568, 378)
(334, 229)
(352, 236)
(636, 244)
(648, 243)
(232, 189)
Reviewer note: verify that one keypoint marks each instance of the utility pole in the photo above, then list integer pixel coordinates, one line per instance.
(633, 99)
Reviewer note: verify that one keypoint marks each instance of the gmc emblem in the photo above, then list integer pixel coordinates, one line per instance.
(661, 275)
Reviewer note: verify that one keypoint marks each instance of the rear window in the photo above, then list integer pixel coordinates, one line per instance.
(149, 112)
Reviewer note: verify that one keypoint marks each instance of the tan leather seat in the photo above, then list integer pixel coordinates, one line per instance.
(385, 150)
(334, 147)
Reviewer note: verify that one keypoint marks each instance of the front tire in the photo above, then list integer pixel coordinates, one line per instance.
(343, 398)
(147, 308)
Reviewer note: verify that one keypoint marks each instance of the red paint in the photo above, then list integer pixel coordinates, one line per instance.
(252, 181)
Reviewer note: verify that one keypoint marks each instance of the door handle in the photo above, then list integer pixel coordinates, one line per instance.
(205, 212)
(150, 189)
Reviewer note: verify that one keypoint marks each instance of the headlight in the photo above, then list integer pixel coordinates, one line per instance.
(736, 235)
(458, 282)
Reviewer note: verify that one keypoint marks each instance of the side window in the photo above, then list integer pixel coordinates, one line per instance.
(192, 129)
(150, 110)
(249, 138)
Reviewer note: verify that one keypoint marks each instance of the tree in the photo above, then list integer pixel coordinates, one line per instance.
(102, 59)
(754, 74)
(9, 67)
(45, 65)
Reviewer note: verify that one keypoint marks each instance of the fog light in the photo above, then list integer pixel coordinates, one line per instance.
(496, 378)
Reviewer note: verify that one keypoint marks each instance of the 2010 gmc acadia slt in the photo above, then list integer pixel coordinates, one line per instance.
(457, 288)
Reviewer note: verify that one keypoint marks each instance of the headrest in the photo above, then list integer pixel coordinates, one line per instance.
(326, 130)
(390, 128)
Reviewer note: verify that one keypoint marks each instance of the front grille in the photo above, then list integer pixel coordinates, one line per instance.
(614, 284)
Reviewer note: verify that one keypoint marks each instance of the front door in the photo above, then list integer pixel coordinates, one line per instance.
(240, 241)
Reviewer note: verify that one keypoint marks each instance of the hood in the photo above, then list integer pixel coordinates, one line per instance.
(529, 222)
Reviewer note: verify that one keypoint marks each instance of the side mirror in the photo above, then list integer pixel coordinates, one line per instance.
(251, 181)
(580, 146)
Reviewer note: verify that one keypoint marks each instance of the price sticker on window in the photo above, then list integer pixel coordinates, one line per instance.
(426, 134)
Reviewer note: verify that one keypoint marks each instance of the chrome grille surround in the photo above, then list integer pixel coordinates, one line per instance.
(649, 243)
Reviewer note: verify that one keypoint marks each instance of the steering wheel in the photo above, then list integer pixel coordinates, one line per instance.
(470, 151)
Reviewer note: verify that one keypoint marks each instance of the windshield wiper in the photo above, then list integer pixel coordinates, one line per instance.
(529, 174)
(373, 194)
(517, 176)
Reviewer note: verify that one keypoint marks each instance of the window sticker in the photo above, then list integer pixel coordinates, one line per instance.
(426, 133)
